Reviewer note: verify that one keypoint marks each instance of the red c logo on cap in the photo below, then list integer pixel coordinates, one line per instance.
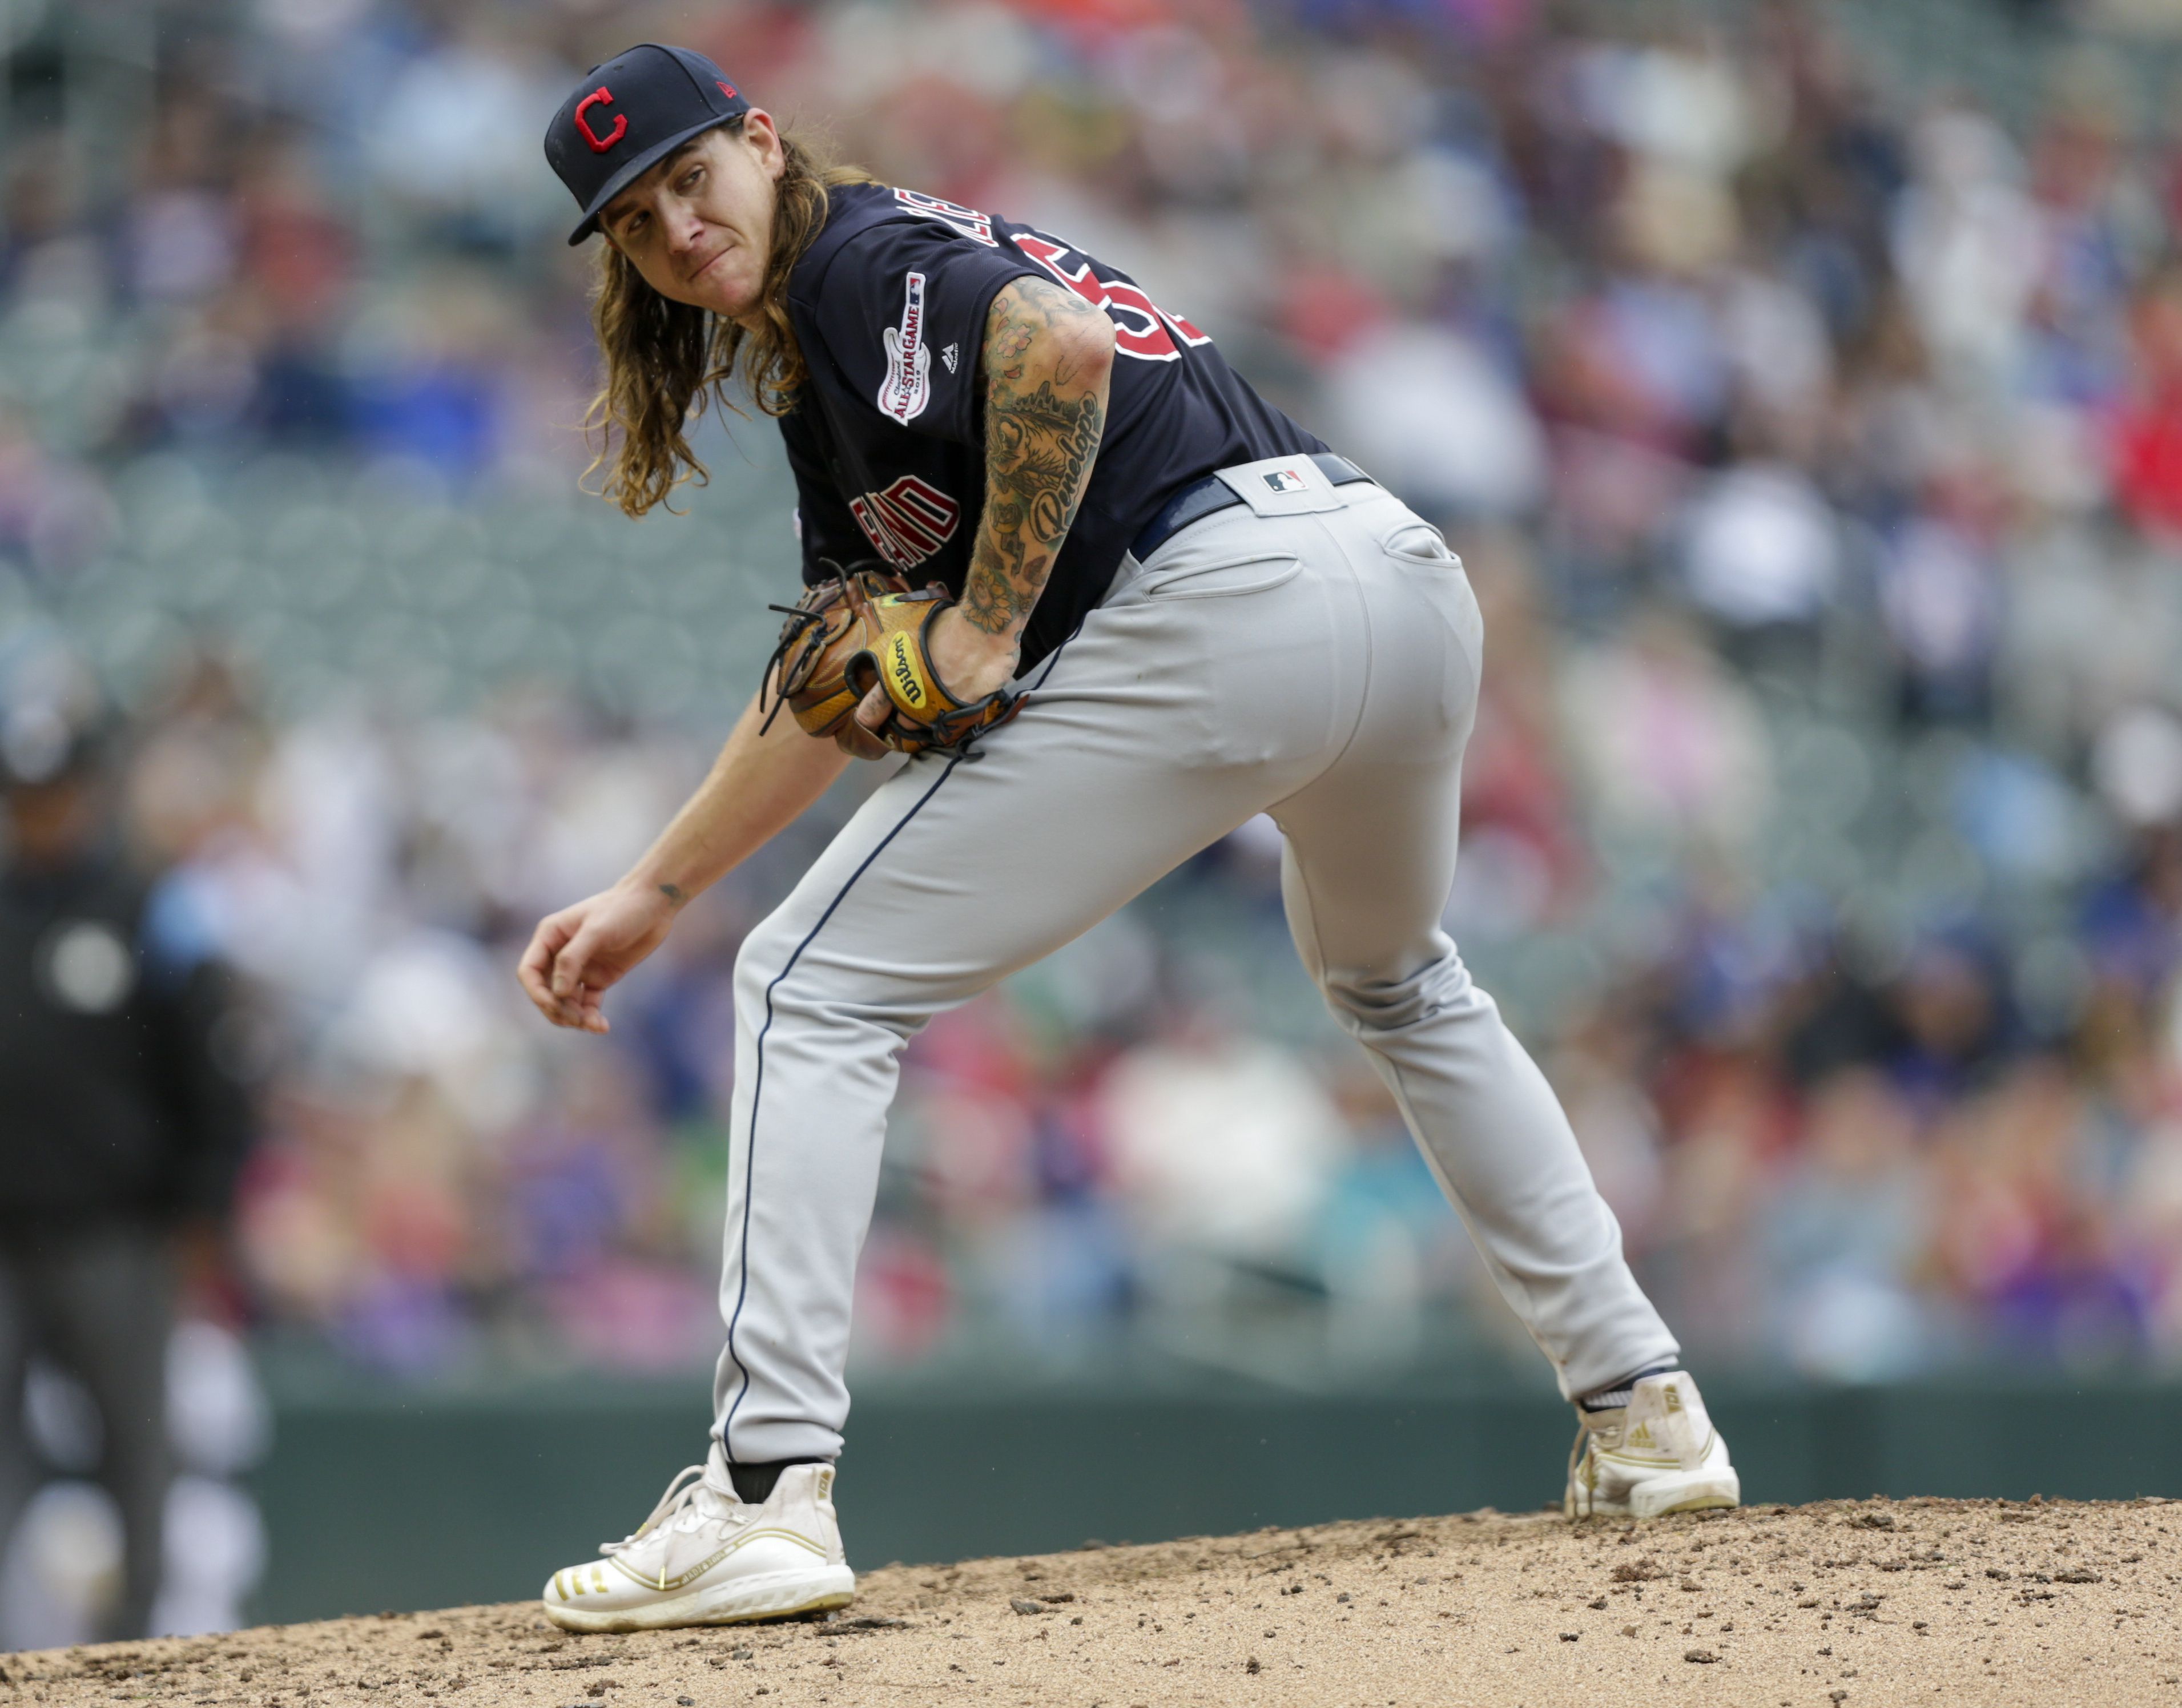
(598, 96)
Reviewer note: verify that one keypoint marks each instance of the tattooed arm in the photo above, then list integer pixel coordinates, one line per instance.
(1048, 355)
(1047, 358)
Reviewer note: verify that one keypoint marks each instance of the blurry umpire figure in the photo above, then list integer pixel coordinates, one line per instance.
(120, 1130)
(1110, 605)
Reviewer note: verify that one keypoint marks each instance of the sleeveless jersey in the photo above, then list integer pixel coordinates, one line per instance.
(886, 437)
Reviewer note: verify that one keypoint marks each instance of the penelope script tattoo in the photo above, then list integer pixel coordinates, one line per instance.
(1045, 408)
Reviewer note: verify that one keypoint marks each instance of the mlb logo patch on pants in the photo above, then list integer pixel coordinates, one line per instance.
(1282, 486)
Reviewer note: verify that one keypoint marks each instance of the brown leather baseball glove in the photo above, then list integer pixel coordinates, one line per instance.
(863, 627)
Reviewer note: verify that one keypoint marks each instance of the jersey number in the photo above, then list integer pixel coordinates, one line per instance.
(1142, 328)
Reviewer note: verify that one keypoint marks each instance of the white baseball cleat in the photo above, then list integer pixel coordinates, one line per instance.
(704, 1557)
(1658, 1454)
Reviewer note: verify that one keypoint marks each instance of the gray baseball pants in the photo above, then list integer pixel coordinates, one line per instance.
(98, 1298)
(1312, 654)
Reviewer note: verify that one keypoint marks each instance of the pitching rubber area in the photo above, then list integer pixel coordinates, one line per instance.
(1840, 1605)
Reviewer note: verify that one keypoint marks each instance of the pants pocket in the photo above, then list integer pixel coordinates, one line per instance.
(1412, 541)
(1426, 565)
(1221, 578)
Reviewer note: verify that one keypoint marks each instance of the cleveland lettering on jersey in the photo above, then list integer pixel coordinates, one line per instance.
(887, 443)
(907, 522)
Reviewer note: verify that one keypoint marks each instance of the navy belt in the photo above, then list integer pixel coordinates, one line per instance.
(1212, 494)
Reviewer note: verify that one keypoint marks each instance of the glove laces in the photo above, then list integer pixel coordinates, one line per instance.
(810, 630)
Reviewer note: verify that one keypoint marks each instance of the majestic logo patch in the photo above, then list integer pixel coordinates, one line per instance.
(1286, 480)
(908, 521)
(908, 385)
(950, 355)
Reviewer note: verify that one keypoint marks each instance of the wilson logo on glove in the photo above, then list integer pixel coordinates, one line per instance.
(907, 690)
(830, 656)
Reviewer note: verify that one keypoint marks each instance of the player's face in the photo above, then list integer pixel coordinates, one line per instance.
(699, 225)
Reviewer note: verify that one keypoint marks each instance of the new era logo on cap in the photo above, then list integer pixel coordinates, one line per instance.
(629, 113)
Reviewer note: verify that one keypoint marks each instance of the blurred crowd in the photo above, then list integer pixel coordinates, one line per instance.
(1813, 436)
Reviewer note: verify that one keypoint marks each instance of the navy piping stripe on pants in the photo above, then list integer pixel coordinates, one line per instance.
(758, 1078)
(757, 1091)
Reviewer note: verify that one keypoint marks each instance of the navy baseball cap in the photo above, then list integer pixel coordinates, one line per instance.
(629, 113)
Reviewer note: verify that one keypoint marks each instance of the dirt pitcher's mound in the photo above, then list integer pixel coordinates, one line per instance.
(1857, 1603)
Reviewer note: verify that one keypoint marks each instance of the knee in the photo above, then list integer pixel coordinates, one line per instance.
(783, 978)
(1387, 1000)
(764, 956)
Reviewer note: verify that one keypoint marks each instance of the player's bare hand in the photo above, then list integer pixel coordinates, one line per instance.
(855, 737)
(580, 953)
(971, 662)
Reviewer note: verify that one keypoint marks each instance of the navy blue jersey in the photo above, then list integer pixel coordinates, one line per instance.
(886, 439)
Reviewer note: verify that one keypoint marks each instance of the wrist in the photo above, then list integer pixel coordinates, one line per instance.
(971, 661)
(656, 888)
(970, 642)
(976, 636)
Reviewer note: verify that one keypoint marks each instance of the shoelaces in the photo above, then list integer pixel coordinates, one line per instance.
(1590, 1483)
(680, 1500)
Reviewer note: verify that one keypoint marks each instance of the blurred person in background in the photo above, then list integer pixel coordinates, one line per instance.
(122, 1123)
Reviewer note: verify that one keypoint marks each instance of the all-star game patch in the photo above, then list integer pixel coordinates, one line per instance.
(908, 386)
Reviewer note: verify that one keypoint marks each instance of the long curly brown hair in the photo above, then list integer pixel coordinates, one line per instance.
(665, 361)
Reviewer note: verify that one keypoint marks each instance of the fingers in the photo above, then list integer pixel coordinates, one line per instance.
(585, 1014)
(550, 974)
(535, 969)
(569, 963)
(856, 737)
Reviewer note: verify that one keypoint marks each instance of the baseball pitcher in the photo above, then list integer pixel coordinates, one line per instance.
(1110, 604)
